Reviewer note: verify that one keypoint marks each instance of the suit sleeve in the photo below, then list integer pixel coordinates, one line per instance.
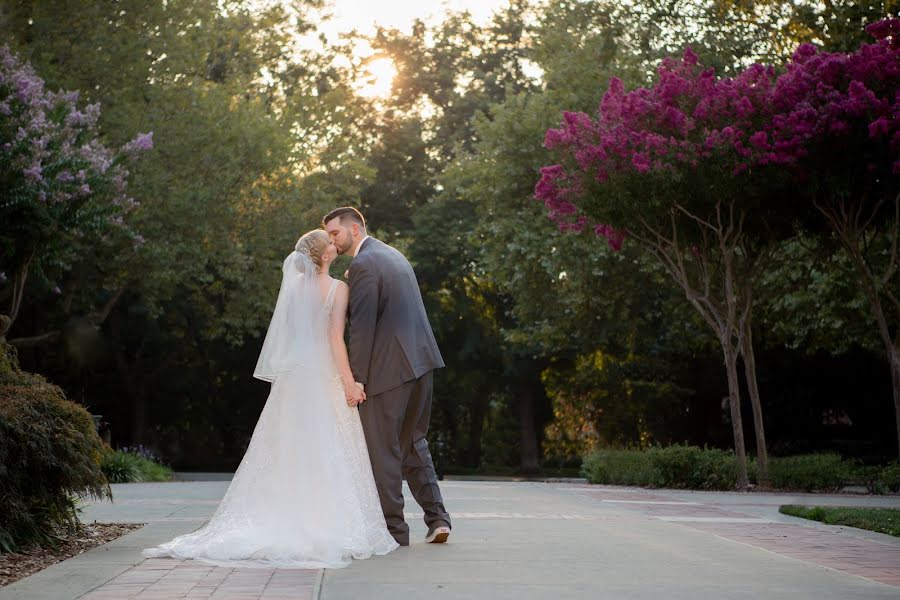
(363, 313)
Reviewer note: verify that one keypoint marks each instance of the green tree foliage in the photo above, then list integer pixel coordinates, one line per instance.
(546, 336)
(455, 71)
(809, 304)
(60, 185)
(225, 191)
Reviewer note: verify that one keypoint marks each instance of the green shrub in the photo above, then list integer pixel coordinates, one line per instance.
(879, 479)
(717, 470)
(691, 467)
(50, 454)
(810, 472)
(890, 478)
(127, 466)
(675, 466)
(619, 467)
(678, 466)
(870, 476)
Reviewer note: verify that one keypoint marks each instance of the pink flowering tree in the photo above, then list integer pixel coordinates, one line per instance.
(58, 182)
(669, 167)
(836, 128)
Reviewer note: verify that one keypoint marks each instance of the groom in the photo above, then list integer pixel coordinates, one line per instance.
(392, 355)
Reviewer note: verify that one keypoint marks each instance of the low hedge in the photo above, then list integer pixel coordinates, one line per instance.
(50, 455)
(691, 467)
(879, 480)
(825, 472)
(619, 467)
(676, 466)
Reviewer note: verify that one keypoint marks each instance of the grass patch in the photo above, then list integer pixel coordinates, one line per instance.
(882, 520)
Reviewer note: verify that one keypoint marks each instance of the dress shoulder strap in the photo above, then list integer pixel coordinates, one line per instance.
(329, 299)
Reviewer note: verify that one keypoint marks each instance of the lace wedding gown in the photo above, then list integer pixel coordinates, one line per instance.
(304, 495)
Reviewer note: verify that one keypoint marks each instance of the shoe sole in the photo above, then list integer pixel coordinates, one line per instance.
(440, 536)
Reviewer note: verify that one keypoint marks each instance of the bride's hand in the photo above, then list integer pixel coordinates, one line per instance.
(350, 394)
(353, 393)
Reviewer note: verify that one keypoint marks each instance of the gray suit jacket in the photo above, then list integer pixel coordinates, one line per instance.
(391, 341)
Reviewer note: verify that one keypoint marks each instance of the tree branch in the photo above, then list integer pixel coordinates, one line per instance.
(669, 253)
(694, 217)
(99, 317)
(865, 226)
(895, 235)
(31, 342)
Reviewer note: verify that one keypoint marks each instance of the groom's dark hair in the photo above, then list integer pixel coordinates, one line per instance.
(345, 213)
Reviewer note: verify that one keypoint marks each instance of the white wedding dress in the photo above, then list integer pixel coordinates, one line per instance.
(304, 495)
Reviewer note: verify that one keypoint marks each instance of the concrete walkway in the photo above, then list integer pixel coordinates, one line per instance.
(512, 540)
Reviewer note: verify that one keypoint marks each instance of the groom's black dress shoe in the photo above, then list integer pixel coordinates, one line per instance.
(438, 533)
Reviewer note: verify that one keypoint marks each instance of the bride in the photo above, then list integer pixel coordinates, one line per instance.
(304, 495)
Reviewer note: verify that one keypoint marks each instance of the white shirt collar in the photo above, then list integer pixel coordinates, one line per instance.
(361, 242)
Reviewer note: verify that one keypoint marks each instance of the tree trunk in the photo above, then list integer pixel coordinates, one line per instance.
(895, 378)
(528, 432)
(476, 429)
(18, 293)
(737, 423)
(728, 238)
(697, 270)
(851, 232)
(137, 397)
(891, 345)
(762, 455)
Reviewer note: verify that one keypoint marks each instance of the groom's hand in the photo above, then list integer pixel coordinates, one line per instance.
(362, 390)
(354, 394)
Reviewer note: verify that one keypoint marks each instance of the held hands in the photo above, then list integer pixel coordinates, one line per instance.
(355, 393)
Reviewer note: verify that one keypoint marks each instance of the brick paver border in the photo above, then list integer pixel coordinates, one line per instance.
(167, 579)
(831, 548)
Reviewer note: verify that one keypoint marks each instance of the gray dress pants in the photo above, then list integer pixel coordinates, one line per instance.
(395, 423)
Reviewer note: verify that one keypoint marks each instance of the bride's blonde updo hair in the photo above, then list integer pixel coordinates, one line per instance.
(314, 243)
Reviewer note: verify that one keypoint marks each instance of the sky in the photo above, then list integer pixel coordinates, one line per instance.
(364, 15)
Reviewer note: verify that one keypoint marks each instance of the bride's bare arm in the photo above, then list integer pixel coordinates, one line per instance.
(337, 322)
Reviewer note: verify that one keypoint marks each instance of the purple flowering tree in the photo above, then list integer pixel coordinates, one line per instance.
(669, 167)
(58, 182)
(836, 127)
